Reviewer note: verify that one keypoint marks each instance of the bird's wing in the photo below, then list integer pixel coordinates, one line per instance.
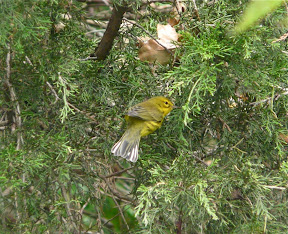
(144, 114)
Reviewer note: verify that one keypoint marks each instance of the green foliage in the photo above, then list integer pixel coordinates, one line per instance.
(217, 165)
(255, 11)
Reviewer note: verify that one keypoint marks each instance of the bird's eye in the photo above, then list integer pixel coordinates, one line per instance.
(166, 103)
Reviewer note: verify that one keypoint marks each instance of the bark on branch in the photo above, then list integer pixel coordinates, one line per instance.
(105, 45)
(13, 98)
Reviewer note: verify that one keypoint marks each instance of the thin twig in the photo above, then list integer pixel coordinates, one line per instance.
(277, 96)
(106, 2)
(196, 10)
(53, 91)
(249, 201)
(237, 169)
(4, 123)
(67, 206)
(114, 217)
(139, 26)
(282, 38)
(275, 187)
(158, 1)
(225, 125)
(99, 223)
(81, 213)
(88, 58)
(121, 212)
(28, 61)
(18, 218)
(82, 112)
(128, 172)
(84, 206)
(114, 192)
(118, 172)
(123, 178)
(69, 104)
(200, 160)
(238, 143)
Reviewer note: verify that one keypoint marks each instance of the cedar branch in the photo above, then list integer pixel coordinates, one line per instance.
(105, 45)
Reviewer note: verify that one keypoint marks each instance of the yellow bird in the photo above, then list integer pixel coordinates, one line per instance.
(142, 119)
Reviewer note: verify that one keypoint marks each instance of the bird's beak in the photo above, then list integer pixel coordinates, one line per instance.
(176, 107)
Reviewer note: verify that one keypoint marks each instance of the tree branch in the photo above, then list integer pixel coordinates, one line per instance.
(114, 192)
(111, 32)
(14, 100)
(276, 97)
(68, 208)
(179, 224)
(196, 10)
(118, 172)
(18, 124)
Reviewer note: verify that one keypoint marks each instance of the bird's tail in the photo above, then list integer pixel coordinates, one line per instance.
(127, 147)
